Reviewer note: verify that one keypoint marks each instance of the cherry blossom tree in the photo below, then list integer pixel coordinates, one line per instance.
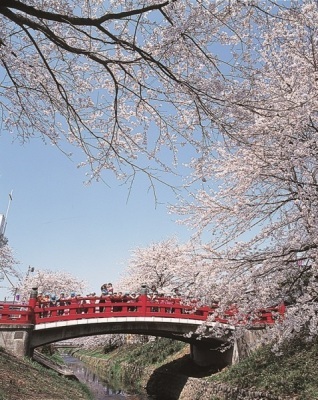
(8, 270)
(108, 342)
(136, 85)
(228, 87)
(169, 265)
(259, 198)
(50, 282)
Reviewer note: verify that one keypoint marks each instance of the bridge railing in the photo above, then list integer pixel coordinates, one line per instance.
(141, 308)
(92, 307)
(15, 313)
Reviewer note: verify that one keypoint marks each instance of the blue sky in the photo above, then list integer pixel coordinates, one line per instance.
(57, 222)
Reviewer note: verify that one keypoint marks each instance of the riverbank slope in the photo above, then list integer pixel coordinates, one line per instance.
(166, 370)
(27, 380)
(165, 365)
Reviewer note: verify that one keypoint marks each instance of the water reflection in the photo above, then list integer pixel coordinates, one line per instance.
(98, 386)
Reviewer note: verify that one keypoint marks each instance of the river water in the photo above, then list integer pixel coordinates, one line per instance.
(101, 389)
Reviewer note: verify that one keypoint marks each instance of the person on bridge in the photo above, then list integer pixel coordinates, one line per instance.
(45, 303)
(40, 302)
(81, 301)
(133, 299)
(61, 302)
(153, 296)
(108, 287)
(53, 300)
(104, 287)
(116, 298)
(103, 297)
(39, 298)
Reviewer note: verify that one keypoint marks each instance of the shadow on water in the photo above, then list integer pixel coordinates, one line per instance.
(100, 389)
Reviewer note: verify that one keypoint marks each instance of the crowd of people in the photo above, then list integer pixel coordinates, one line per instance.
(44, 301)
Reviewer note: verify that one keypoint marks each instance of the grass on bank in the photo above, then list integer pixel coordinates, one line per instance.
(294, 373)
(126, 365)
(28, 380)
(152, 353)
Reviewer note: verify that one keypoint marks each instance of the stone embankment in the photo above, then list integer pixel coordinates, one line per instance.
(175, 386)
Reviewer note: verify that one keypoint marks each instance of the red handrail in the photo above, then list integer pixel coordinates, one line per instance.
(15, 313)
(90, 307)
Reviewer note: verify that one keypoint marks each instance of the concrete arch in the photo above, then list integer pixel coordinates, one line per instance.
(178, 329)
(205, 352)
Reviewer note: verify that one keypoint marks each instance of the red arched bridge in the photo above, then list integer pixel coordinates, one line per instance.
(79, 308)
(37, 324)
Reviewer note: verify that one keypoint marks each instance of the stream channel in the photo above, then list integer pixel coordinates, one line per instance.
(99, 387)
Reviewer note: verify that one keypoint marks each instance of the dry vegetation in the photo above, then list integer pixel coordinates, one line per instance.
(27, 380)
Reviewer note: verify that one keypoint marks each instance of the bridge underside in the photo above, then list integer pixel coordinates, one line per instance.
(183, 330)
(205, 352)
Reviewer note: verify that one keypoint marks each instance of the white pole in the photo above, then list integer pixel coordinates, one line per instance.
(6, 217)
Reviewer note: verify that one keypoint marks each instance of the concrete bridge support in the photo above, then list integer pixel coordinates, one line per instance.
(16, 339)
(247, 344)
(211, 354)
